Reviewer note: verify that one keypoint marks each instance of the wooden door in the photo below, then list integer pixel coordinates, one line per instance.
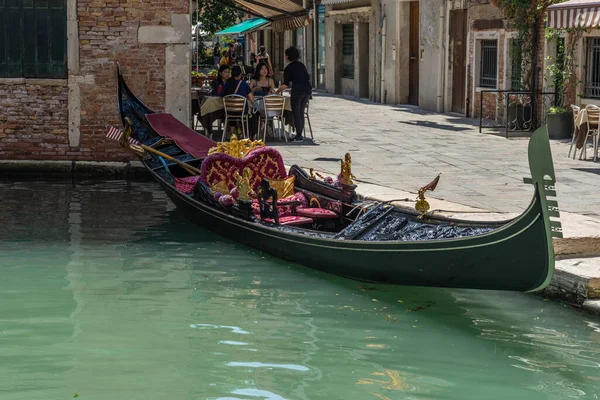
(413, 64)
(458, 45)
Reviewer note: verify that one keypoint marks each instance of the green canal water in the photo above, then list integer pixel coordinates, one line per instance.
(108, 293)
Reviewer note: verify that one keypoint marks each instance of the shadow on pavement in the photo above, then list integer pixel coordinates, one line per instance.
(435, 125)
(591, 170)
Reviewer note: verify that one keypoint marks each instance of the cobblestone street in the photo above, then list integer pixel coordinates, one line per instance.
(404, 147)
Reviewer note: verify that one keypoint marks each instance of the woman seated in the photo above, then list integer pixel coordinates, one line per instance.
(261, 84)
(218, 84)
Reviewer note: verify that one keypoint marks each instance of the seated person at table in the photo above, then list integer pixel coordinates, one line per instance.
(261, 84)
(218, 84)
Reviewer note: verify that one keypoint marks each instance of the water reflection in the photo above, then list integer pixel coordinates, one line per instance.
(107, 292)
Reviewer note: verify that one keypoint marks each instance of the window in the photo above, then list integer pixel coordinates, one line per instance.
(592, 73)
(488, 65)
(33, 38)
(516, 64)
(348, 51)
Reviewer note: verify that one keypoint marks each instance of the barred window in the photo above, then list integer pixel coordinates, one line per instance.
(592, 73)
(488, 67)
(348, 51)
(33, 38)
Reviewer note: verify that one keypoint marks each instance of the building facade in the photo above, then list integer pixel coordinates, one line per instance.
(58, 92)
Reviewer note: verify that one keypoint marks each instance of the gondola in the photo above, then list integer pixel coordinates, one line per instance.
(367, 241)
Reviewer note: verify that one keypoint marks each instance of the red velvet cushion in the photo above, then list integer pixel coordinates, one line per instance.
(316, 213)
(187, 184)
(292, 220)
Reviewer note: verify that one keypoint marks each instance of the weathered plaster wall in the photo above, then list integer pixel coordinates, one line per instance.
(432, 54)
(360, 18)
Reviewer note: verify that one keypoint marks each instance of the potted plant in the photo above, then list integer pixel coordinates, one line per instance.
(212, 74)
(201, 78)
(559, 122)
(195, 78)
(562, 75)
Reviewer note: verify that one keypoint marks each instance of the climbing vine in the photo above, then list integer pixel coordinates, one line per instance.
(562, 71)
(525, 16)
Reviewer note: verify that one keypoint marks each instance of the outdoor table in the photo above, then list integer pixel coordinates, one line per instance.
(581, 128)
(211, 110)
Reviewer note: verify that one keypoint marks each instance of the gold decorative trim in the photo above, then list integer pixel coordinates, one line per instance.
(236, 148)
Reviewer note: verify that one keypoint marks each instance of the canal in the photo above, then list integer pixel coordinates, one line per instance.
(108, 293)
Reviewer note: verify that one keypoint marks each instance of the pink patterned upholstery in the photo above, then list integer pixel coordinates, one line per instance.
(187, 184)
(264, 162)
(316, 213)
(292, 220)
(284, 209)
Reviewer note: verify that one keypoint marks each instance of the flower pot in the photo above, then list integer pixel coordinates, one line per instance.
(211, 77)
(560, 126)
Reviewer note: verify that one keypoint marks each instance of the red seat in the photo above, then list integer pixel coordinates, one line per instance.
(316, 213)
(292, 220)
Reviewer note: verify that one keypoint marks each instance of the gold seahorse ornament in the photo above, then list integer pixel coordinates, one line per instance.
(422, 206)
(346, 170)
(242, 182)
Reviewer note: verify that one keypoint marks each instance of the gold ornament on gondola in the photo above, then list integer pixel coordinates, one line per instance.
(422, 206)
(346, 170)
(235, 147)
(242, 183)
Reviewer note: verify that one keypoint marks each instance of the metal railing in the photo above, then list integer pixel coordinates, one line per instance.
(514, 111)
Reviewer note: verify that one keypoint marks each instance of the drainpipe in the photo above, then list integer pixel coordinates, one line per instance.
(314, 45)
(304, 50)
(441, 70)
(383, 25)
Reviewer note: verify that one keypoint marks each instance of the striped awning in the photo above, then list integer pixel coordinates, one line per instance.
(330, 2)
(274, 9)
(574, 14)
(284, 14)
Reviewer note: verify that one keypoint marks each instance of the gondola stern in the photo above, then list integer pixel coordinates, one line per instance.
(543, 178)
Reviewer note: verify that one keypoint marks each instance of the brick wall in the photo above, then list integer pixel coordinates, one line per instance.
(33, 121)
(34, 118)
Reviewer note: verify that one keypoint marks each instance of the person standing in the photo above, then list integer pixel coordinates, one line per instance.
(224, 58)
(295, 73)
(217, 54)
(263, 57)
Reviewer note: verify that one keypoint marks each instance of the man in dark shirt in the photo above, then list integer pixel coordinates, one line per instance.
(296, 74)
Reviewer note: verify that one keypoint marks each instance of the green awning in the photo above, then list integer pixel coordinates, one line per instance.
(243, 27)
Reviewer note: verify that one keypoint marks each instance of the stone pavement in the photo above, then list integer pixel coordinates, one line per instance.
(404, 148)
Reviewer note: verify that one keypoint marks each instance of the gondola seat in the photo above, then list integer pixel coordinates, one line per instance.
(317, 213)
(263, 162)
(284, 211)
